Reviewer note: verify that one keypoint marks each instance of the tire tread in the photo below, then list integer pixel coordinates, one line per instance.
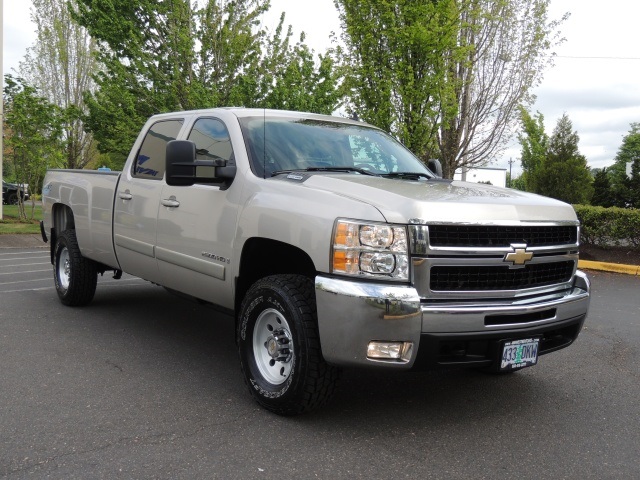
(320, 379)
(84, 274)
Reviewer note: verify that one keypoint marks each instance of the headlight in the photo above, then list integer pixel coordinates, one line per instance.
(370, 249)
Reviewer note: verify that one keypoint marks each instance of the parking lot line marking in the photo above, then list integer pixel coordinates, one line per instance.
(26, 264)
(106, 283)
(48, 279)
(13, 259)
(26, 290)
(21, 253)
(26, 271)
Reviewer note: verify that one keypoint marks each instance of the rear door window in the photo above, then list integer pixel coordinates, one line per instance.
(150, 162)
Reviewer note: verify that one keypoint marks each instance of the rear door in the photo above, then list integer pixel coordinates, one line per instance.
(137, 201)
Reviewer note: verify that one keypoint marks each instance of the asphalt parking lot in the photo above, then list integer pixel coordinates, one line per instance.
(142, 384)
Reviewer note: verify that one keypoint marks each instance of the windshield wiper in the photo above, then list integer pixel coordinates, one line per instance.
(411, 175)
(362, 171)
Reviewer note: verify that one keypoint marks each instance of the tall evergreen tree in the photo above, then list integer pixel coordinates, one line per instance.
(626, 190)
(564, 173)
(602, 192)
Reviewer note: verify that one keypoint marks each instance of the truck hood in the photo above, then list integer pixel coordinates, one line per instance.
(418, 201)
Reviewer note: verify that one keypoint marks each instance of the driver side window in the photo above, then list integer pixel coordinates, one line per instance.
(212, 143)
(212, 140)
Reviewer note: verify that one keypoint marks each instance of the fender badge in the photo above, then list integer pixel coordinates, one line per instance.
(213, 256)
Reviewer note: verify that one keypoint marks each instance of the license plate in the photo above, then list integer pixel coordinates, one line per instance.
(519, 353)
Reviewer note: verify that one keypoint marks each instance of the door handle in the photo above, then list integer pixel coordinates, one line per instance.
(170, 202)
(125, 195)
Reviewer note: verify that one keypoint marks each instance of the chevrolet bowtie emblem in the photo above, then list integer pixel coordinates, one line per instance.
(519, 256)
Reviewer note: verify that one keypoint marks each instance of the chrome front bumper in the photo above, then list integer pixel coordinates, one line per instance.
(351, 314)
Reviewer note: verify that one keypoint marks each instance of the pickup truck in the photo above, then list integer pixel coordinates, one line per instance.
(12, 193)
(331, 245)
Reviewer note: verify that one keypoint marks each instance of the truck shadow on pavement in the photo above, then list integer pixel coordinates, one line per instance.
(191, 344)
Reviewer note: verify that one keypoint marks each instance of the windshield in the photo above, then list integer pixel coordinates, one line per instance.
(284, 144)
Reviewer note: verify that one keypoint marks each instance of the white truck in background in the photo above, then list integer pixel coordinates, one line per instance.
(330, 243)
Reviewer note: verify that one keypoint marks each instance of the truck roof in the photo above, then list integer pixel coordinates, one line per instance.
(241, 112)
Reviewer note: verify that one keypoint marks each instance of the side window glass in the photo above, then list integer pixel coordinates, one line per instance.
(212, 143)
(150, 162)
(212, 140)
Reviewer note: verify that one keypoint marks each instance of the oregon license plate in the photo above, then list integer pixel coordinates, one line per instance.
(519, 353)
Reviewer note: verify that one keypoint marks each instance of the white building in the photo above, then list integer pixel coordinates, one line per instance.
(494, 176)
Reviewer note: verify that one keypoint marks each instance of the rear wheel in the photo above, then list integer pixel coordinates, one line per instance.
(279, 346)
(75, 276)
(12, 199)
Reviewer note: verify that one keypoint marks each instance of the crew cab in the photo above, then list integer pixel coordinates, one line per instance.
(331, 244)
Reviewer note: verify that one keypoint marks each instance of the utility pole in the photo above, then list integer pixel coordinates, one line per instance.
(510, 162)
(2, 91)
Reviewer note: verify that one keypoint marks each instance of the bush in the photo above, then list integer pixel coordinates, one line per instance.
(607, 227)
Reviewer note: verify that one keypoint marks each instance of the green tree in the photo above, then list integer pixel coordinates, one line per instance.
(33, 135)
(60, 65)
(445, 76)
(602, 192)
(394, 65)
(290, 79)
(517, 183)
(626, 191)
(166, 56)
(635, 184)
(535, 144)
(564, 173)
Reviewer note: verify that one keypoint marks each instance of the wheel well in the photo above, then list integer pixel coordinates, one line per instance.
(262, 257)
(61, 220)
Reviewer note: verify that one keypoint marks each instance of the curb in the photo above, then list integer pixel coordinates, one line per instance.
(610, 267)
(22, 240)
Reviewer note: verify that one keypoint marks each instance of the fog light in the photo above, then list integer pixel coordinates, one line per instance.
(390, 351)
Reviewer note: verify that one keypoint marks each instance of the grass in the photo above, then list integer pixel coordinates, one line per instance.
(10, 223)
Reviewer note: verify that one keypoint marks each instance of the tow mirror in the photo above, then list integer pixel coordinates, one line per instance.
(435, 166)
(183, 170)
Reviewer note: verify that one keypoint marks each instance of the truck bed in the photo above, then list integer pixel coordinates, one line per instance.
(90, 194)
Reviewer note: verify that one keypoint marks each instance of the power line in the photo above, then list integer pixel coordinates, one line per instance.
(597, 58)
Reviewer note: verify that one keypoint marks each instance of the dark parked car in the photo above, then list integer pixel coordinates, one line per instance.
(10, 192)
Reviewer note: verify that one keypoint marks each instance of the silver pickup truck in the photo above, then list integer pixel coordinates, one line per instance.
(330, 243)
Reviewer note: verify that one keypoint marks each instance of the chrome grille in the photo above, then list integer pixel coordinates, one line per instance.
(467, 261)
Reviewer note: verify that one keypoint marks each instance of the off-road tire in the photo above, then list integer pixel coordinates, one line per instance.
(283, 308)
(75, 276)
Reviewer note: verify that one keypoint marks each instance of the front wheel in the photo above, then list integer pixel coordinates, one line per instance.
(279, 346)
(75, 276)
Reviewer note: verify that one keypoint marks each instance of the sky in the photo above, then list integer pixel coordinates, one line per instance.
(595, 79)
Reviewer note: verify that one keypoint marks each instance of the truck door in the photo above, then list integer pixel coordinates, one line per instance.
(137, 200)
(196, 224)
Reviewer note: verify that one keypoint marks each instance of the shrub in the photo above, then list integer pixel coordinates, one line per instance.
(606, 227)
